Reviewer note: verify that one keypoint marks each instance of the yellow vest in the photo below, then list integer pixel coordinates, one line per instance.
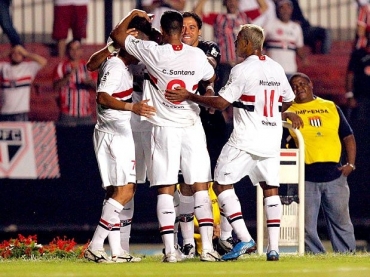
(320, 131)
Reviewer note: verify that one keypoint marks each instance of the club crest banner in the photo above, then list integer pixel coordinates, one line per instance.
(28, 150)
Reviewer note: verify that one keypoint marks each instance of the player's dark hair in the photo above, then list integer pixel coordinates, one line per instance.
(156, 36)
(172, 22)
(141, 24)
(196, 17)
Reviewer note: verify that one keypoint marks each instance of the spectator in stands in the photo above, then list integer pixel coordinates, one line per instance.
(69, 14)
(325, 134)
(226, 27)
(16, 78)
(158, 7)
(358, 85)
(6, 23)
(259, 11)
(75, 84)
(363, 26)
(284, 38)
(316, 37)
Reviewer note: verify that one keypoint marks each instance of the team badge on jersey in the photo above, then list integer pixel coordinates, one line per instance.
(315, 121)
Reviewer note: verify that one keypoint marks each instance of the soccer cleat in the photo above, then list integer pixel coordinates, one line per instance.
(170, 258)
(272, 256)
(98, 256)
(188, 250)
(179, 255)
(239, 249)
(125, 257)
(228, 244)
(210, 256)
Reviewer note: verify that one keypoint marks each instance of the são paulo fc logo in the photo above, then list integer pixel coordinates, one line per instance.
(12, 146)
(315, 121)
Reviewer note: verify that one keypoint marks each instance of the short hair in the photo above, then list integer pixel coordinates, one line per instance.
(253, 33)
(196, 17)
(172, 22)
(299, 74)
(141, 24)
(69, 44)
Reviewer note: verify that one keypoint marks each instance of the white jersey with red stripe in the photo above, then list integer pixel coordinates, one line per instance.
(116, 79)
(256, 88)
(15, 82)
(282, 41)
(170, 66)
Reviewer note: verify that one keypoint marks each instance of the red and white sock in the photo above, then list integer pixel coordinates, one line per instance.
(231, 208)
(273, 209)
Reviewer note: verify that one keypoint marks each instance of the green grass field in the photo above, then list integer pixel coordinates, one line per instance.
(289, 265)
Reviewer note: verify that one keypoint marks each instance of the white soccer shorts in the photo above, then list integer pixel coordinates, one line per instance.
(175, 148)
(116, 157)
(233, 164)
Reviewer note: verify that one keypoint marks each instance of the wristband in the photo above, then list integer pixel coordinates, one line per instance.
(129, 106)
(111, 48)
(351, 165)
(348, 94)
(210, 87)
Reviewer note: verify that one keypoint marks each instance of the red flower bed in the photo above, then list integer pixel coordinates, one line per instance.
(28, 248)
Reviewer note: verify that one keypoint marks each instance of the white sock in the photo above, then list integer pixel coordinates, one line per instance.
(108, 223)
(232, 210)
(226, 228)
(166, 218)
(186, 218)
(273, 209)
(203, 212)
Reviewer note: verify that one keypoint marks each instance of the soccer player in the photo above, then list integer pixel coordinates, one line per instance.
(115, 153)
(178, 139)
(259, 91)
(216, 135)
(141, 130)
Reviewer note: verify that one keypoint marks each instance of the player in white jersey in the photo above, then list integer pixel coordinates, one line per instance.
(178, 139)
(259, 91)
(115, 152)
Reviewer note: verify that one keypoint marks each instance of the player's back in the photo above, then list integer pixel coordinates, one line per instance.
(170, 67)
(257, 112)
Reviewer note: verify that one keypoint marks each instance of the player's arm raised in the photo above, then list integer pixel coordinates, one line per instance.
(119, 33)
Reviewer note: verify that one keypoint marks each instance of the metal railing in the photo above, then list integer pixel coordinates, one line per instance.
(33, 19)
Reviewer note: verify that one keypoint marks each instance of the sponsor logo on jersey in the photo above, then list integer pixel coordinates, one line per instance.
(269, 83)
(178, 72)
(314, 111)
(267, 123)
(173, 106)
